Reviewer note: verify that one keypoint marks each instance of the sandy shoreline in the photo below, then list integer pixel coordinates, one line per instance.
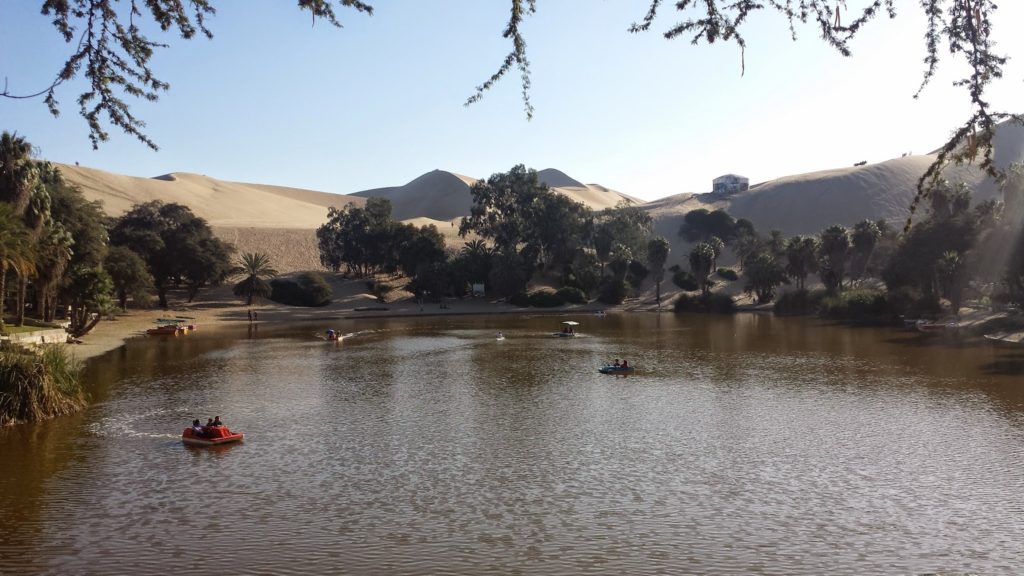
(218, 307)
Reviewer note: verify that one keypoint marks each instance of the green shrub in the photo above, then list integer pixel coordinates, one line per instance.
(728, 274)
(684, 280)
(520, 299)
(35, 386)
(715, 303)
(861, 305)
(307, 289)
(911, 303)
(572, 295)
(545, 299)
(637, 272)
(612, 291)
(799, 302)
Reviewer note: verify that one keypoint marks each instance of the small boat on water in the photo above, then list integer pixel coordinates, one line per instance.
(166, 330)
(214, 436)
(930, 327)
(568, 329)
(500, 337)
(613, 369)
(172, 326)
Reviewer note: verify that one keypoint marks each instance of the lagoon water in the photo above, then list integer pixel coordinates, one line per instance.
(743, 445)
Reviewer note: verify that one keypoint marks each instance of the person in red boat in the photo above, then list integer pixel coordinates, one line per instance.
(197, 428)
(217, 422)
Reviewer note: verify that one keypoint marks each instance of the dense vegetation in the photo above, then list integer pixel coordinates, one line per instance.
(34, 386)
(523, 229)
(306, 289)
(61, 257)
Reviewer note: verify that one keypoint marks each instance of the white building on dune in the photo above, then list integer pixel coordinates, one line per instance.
(730, 183)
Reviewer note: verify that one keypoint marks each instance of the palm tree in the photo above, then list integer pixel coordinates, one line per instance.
(18, 173)
(802, 258)
(254, 266)
(701, 258)
(37, 219)
(864, 238)
(835, 247)
(16, 250)
(657, 253)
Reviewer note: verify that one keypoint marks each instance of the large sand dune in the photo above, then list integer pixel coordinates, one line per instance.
(282, 220)
(808, 203)
(220, 202)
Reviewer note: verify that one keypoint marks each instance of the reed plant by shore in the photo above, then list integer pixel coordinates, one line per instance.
(39, 384)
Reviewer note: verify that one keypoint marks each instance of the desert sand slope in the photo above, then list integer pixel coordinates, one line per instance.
(807, 203)
(557, 179)
(443, 195)
(438, 194)
(594, 196)
(221, 203)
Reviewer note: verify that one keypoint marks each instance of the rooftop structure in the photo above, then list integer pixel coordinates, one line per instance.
(730, 183)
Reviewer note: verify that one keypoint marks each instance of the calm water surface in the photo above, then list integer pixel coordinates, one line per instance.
(745, 445)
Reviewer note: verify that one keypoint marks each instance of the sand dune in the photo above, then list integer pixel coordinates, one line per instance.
(438, 195)
(807, 203)
(282, 220)
(220, 202)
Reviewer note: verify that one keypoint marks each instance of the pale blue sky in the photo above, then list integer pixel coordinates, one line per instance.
(272, 99)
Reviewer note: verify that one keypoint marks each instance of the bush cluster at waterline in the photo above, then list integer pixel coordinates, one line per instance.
(38, 384)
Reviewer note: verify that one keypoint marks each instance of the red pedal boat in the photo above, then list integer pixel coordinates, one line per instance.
(214, 436)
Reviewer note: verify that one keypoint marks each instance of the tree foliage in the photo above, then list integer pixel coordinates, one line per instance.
(764, 274)
(801, 258)
(700, 225)
(128, 273)
(832, 256)
(658, 249)
(253, 267)
(701, 258)
(177, 246)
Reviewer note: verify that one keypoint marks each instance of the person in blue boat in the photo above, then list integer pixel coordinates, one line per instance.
(616, 364)
(625, 363)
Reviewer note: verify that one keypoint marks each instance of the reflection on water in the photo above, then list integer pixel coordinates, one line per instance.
(746, 445)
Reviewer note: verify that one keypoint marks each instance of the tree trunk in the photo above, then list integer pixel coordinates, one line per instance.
(84, 328)
(3, 292)
(161, 294)
(22, 288)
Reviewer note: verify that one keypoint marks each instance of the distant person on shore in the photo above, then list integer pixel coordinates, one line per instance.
(250, 316)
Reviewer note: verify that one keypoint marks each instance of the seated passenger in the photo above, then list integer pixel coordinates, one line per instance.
(217, 422)
(625, 363)
(617, 364)
(197, 428)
